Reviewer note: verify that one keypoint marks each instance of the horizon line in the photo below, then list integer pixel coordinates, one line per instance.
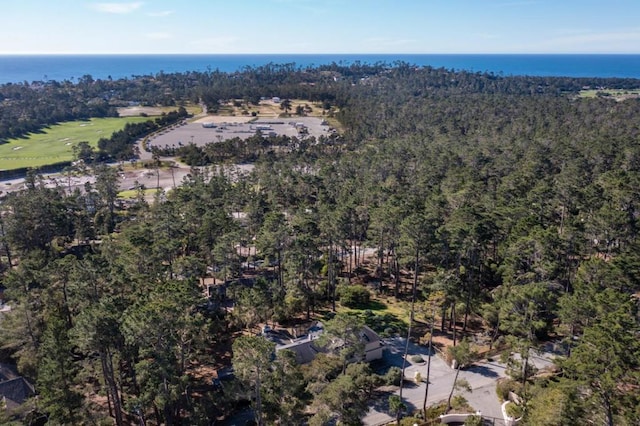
(300, 54)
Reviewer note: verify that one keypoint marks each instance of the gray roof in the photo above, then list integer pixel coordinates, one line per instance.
(368, 335)
(15, 391)
(304, 349)
(8, 372)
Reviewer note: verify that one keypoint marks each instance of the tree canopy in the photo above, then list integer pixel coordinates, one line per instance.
(510, 202)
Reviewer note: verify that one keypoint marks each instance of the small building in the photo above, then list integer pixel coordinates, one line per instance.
(306, 348)
(14, 392)
(373, 346)
(275, 100)
(14, 389)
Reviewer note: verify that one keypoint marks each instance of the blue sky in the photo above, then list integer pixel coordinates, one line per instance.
(320, 26)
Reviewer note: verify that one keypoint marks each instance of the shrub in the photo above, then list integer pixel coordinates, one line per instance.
(434, 412)
(474, 420)
(385, 324)
(392, 376)
(410, 421)
(514, 410)
(353, 296)
(459, 402)
(503, 387)
(417, 359)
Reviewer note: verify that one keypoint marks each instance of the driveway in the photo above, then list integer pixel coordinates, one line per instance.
(481, 377)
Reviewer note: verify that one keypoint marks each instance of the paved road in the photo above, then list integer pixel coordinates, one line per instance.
(481, 378)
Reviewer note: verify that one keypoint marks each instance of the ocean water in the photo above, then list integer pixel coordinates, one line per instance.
(30, 68)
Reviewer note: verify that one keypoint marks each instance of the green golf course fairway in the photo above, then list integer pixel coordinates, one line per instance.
(55, 143)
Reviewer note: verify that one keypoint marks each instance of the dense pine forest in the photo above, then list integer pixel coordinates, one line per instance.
(504, 209)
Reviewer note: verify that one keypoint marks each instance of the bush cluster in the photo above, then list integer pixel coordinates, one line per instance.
(353, 296)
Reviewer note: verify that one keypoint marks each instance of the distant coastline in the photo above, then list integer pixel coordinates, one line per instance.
(30, 68)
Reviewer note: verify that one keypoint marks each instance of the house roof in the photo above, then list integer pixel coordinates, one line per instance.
(368, 335)
(8, 372)
(15, 391)
(304, 349)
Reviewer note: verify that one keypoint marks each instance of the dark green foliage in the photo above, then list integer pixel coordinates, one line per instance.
(385, 324)
(512, 199)
(392, 376)
(353, 296)
(554, 404)
(396, 405)
(120, 145)
(38, 216)
(606, 360)
(504, 386)
(252, 363)
(57, 371)
(346, 397)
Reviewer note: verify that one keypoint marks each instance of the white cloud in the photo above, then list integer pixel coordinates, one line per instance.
(162, 14)
(117, 8)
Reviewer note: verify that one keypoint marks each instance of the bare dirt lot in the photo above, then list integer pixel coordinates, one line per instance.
(170, 177)
(130, 178)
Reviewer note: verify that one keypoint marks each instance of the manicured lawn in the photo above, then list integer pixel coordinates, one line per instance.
(132, 193)
(55, 144)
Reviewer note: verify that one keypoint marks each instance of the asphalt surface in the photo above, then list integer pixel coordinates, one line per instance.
(194, 132)
(481, 377)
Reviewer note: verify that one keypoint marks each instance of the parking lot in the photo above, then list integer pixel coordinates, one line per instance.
(212, 129)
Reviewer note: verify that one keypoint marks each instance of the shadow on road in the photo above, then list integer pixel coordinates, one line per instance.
(494, 365)
(381, 403)
(484, 371)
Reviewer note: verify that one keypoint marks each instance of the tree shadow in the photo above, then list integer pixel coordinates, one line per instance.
(373, 305)
(409, 383)
(380, 403)
(483, 370)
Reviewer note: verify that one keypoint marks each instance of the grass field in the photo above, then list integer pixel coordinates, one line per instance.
(133, 193)
(55, 144)
(618, 94)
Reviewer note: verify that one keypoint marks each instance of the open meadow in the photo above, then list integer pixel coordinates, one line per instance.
(617, 94)
(55, 143)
